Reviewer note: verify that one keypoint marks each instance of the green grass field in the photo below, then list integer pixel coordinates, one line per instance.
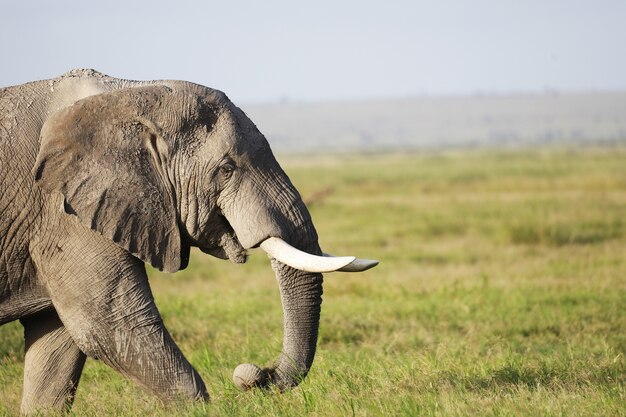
(501, 291)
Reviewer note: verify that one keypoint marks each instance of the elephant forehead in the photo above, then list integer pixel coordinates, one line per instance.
(234, 133)
(248, 135)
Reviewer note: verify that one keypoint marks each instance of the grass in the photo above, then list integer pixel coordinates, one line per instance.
(501, 291)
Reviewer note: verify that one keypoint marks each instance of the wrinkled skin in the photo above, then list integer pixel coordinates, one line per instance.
(99, 175)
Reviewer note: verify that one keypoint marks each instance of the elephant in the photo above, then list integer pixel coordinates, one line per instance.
(101, 175)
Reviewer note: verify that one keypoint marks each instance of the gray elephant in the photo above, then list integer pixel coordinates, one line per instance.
(99, 175)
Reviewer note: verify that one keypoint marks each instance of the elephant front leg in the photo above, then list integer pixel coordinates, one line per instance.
(52, 365)
(102, 296)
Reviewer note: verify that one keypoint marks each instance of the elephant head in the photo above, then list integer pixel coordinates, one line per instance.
(162, 167)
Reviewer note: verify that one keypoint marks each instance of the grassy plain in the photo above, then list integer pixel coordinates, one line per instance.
(501, 291)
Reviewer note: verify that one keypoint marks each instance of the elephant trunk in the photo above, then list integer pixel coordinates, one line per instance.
(301, 296)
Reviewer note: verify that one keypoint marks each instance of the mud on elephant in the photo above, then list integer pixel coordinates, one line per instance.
(100, 175)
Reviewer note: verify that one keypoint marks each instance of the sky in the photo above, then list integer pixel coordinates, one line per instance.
(277, 50)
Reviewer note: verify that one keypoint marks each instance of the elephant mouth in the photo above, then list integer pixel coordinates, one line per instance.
(223, 243)
(228, 248)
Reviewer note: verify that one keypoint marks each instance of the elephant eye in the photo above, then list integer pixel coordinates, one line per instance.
(226, 170)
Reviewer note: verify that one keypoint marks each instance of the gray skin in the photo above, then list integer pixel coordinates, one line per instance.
(99, 175)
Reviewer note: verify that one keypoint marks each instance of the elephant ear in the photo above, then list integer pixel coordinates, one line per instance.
(109, 160)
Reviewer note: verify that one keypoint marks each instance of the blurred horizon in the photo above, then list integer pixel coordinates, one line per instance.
(439, 123)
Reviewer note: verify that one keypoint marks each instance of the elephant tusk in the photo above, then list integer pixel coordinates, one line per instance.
(295, 258)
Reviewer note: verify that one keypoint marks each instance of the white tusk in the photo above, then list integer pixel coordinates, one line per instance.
(295, 258)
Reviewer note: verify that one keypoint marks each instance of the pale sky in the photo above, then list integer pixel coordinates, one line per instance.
(264, 51)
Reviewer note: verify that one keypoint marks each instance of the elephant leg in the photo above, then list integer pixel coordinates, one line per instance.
(102, 296)
(52, 365)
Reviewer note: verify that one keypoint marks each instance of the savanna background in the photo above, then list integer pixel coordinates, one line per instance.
(478, 151)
